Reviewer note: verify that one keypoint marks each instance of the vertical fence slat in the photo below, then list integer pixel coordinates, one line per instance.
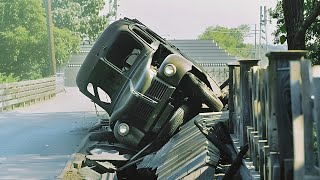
(232, 95)
(264, 103)
(245, 119)
(255, 98)
(306, 88)
(277, 113)
(274, 166)
(282, 109)
(272, 124)
(261, 104)
(266, 162)
(237, 100)
(231, 100)
(272, 128)
(250, 100)
(281, 99)
(298, 121)
(316, 92)
(261, 145)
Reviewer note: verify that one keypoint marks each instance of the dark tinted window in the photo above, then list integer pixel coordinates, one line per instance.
(142, 35)
(107, 81)
(124, 51)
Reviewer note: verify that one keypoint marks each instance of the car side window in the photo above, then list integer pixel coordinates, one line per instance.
(124, 51)
(131, 58)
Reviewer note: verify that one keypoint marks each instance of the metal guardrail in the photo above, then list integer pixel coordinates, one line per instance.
(273, 110)
(60, 83)
(24, 93)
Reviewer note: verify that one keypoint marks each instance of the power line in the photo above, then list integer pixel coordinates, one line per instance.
(231, 31)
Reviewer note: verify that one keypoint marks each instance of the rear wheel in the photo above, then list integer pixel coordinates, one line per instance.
(205, 93)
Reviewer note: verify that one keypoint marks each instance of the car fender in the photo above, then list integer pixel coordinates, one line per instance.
(182, 67)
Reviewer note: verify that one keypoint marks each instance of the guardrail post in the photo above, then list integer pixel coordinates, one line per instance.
(266, 162)
(255, 97)
(2, 94)
(298, 121)
(237, 109)
(245, 99)
(232, 93)
(280, 119)
(263, 94)
(15, 94)
(1, 103)
(307, 107)
(316, 92)
(261, 162)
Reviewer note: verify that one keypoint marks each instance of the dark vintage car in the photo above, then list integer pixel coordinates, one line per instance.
(147, 86)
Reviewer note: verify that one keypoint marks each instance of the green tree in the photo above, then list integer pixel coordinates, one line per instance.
(24, 42)
(231, 39)
(80, 16)
(8, 78)
(65, 44)
(298, 25)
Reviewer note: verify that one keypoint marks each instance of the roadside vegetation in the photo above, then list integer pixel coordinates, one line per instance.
(24, 50)
(231, 39)
(298, 25)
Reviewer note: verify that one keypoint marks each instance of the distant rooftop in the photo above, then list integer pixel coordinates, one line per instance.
(202, 51)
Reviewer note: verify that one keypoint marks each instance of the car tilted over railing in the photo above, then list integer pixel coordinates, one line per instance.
(146, 85)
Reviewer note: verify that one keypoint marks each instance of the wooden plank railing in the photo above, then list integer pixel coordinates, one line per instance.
(218, 71)
(24, 93)
(273, 110)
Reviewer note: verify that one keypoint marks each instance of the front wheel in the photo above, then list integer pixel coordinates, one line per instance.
(205, 93)
(174, 123)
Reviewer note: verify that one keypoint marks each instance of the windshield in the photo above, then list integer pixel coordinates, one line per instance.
(106, 81)
(124, 51)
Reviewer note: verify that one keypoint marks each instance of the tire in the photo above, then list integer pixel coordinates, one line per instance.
(174, 123)
(205, 93)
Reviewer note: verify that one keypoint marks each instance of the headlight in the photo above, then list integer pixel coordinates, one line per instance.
(170, 70)
(123, 129)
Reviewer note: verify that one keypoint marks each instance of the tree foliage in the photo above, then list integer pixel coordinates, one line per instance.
(231, 39)
(298, 25)
(65, 44)
(8, 78)
(80, 16)
(24, 40)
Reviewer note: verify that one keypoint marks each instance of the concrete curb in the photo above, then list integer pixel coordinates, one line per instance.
(69, 165)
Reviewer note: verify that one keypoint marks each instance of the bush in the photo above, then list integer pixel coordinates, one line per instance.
(7, 78)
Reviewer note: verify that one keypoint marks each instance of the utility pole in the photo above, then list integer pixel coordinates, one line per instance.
(263, 30)
(255, 41)
(50, 36)
(265, 26)
(259, 49)
(113, 9)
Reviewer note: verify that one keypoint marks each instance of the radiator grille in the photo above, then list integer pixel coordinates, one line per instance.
(143, 110)
(156, 90)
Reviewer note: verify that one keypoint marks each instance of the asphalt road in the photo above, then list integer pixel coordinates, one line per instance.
(37, 141)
